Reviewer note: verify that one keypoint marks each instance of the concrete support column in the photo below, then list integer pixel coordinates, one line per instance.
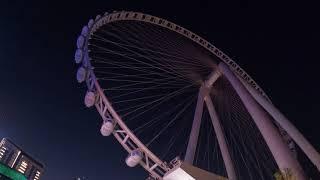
(193, 139)
(293, 132)
(278, 148)
(221, 139)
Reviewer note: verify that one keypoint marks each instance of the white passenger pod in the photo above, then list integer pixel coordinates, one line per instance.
(90, 99)
(78, 56)
(134, 158)
(107, 128)
(81, 74)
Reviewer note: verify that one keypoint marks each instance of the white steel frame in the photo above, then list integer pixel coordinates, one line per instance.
(130, 142)
(204, 96)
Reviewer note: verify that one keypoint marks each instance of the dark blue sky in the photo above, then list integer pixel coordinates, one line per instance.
(41, 104)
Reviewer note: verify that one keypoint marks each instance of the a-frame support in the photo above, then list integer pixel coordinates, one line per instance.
(204, 95)
(278, 148)
(293, 132)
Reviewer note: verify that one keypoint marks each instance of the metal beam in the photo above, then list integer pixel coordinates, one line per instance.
(221, 139)
(278, 148)
(293, 132)
(193, 139)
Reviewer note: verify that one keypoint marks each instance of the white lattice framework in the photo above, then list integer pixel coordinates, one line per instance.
(150, 162)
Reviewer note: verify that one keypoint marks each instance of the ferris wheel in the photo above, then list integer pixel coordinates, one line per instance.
(179, 106)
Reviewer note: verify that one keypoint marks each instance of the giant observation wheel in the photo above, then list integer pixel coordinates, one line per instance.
(165, 92)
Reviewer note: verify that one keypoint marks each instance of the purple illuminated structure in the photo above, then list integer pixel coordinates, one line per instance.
(156, 85)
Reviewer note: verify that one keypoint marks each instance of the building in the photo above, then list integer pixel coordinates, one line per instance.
(7, 173)
(14, 157)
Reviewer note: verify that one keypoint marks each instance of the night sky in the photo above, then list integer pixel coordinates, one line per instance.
(41, 104)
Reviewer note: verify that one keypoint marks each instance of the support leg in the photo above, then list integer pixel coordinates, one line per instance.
(278, 148)
(293, 132)
(193, 139)
(221, 139)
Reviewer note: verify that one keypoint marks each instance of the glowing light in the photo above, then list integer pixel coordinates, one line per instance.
(11, 173)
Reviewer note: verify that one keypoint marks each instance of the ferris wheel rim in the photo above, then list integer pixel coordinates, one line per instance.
(143, 17)
(92, 81)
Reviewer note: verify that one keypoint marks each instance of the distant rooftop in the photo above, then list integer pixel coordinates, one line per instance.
(24, 153)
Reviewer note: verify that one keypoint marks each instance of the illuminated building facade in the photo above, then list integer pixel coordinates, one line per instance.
(13, 156)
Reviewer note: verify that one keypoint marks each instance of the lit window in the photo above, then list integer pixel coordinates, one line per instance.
(21, 171)
(24, 164)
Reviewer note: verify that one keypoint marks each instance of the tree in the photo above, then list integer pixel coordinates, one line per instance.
(285, 174)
